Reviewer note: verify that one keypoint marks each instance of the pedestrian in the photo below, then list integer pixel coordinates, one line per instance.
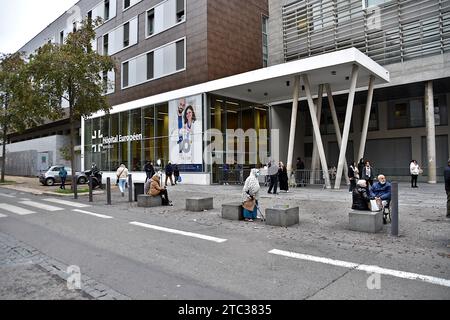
(447, 186)
(367, 173)
(226, 170)
(63, 176)
(176, 173)
(250, 196)
(353, 175)
(299, 174)
(273, 173)
(361, 165)
(414, 169)
(122, 175)
(283, 176)
(149, 170)
(169, 173)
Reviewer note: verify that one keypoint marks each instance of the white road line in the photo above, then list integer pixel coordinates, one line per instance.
(184, 233)
(67, 203)
(93, 214)
(41, 206)
(15, 209)
(6, 195)
(364, 267)
(3, 215)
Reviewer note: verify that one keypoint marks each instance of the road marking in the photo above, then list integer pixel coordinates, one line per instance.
(14, 209)
(93, 214)
(67, 203)
(184, 233)
(41, 206)
(6, 195)
(3, 215)
(364, 267)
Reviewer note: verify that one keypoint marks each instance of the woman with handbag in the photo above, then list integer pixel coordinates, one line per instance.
(250, 196)
(414, 169)
(122, 175)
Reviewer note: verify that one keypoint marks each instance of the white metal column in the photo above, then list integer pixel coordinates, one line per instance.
(431, 131)
(365, 127)
(293, 124)
(348, 119)
(316, 128)
(337, 129)
(318, 108)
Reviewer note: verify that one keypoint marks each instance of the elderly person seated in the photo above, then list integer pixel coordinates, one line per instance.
(155, 189)
(381, 192)
(360, 196)
(250, 196)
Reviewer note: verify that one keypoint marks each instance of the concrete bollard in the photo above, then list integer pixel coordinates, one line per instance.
(108, 190)
(394, 208)
(130, 188)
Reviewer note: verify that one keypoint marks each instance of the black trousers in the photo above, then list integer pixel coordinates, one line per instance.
(63, 183)
(164, 197)
(414, 180)
(352, 184)
(273, 183)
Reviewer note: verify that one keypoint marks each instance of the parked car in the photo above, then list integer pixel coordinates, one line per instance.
(51, 176)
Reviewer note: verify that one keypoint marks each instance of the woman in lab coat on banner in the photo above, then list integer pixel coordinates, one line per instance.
(189, 137)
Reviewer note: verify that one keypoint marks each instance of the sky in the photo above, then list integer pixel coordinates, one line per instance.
(21, 20)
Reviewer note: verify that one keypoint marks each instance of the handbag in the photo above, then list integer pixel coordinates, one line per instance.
(179, 179)
(249, 204)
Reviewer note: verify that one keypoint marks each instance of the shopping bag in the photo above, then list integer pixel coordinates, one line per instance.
(374, 206)
(179, 179)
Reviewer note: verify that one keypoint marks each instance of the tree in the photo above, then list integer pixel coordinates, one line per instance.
(20, 106)
(73, 71)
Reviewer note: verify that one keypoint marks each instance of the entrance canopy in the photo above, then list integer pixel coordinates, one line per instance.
(275, 84)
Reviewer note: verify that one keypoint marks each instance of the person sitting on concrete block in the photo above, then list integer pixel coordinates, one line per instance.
(157, 190)
(250, 196)
(381, 191)
(360, 196)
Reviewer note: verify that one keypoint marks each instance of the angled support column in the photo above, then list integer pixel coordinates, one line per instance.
(293, 124)
(348, 119)
(314, 159)
(337, 129)
(431, 132)
(365, 127)
(316, 128)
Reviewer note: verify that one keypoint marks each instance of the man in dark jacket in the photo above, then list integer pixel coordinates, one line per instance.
(273, 173)
(169, 173)
(360, 196)
(299, 174)
(447, 186)
(149, 170)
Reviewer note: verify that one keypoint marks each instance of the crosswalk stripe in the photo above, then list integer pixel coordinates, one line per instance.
(41, 206)
(3, 215)
(93, 214)
(15, 209)
(67, 203)
(6, 195)
(184, 233)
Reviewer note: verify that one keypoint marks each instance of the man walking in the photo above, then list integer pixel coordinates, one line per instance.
(169, 173)
(149, 170)
(447, 186)
(63, 176)
(273, 173)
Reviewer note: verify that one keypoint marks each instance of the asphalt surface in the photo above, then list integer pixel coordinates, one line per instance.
(143, 263)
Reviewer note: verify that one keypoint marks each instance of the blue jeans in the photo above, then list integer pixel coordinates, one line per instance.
(122, 183)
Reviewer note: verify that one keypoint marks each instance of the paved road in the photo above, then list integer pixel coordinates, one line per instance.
(142, 262)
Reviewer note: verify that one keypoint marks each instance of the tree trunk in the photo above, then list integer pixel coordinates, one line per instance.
(72, 144)
(5, 136)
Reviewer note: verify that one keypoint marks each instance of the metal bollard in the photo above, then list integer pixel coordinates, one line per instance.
(108, 190)
(90, 189)
(75, 187)
(130, 188)
(394, 208)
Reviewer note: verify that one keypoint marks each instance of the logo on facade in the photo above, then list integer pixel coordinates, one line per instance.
(97, 147)
(374, 18)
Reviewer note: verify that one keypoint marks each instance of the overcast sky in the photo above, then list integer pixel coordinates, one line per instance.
(21, 20)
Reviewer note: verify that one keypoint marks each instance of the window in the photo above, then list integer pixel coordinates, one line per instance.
(126, 4)
(106, 13)
(105, 44)
(89, 17)
(150, 65)
(125, 75)
(150, 22)
(126, 34)
(265, 22)
(180, 55)
(105, 81)
(61, 37)
(180, 10)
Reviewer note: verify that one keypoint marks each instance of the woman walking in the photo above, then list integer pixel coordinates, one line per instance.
(250, 196)
(122, 175)
(283, 177)
(414, 169)
(353, 175)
